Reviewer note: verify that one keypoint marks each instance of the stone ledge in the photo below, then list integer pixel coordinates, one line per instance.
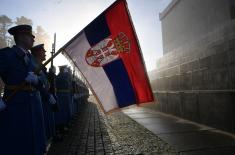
(168, 9)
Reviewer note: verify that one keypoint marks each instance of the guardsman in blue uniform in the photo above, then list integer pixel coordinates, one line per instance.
(83, 92)
(75, 94)
(63, 85)
(86, 93)
(79, 91)
(48, 100)
(70, 77)
(21, 116)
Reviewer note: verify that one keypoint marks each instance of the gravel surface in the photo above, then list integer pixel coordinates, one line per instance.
(129, 137)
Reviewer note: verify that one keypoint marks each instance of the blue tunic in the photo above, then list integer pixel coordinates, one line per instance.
(49, 119)
(48, 113)
(21, 123)
(63, 85)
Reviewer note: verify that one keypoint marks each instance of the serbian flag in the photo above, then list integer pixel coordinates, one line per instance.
(107, 54)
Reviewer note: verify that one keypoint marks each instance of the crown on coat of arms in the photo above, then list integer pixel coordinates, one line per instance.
(122, 43)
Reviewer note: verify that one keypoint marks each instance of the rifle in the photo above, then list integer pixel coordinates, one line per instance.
(52, 75)
(53, 49)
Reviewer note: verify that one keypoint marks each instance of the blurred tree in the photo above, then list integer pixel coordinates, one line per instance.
(7, 40)
(5, 23)
(23, 20)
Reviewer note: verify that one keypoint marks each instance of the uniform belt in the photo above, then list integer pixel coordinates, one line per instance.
(63, 90)
(24, 88)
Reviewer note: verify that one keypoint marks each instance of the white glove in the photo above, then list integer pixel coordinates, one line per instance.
(32, 78)
(2, 105)
(52, 100)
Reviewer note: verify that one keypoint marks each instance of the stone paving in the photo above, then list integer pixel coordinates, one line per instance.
(96, 133)
(87, 135)
(188, 138)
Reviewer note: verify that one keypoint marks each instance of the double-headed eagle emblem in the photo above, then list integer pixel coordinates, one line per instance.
(107, 50)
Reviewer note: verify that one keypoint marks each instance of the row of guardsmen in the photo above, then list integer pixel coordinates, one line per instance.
(37, 105)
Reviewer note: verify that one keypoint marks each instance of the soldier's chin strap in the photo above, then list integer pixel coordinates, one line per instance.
(36, 72)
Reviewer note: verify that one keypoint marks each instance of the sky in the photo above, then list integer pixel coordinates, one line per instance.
(68, 17)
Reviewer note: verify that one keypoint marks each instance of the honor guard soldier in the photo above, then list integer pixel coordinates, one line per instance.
(21, 116)
(48, 100)
(75, 95)
(83, 93)
(63, 85)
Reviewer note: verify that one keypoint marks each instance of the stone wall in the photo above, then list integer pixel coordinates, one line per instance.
(196, 81)
(186, 21)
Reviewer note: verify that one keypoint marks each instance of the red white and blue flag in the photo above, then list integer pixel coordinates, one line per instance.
(108, 55)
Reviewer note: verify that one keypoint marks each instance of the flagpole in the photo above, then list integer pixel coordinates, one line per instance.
(140, 51)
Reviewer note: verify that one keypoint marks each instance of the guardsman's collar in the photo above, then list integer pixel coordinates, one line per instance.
(19, 51)
(24, 50)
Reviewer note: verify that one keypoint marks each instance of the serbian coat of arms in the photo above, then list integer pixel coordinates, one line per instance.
(107, 50)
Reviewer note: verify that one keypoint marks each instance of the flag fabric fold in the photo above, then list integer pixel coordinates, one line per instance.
(107, 53)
